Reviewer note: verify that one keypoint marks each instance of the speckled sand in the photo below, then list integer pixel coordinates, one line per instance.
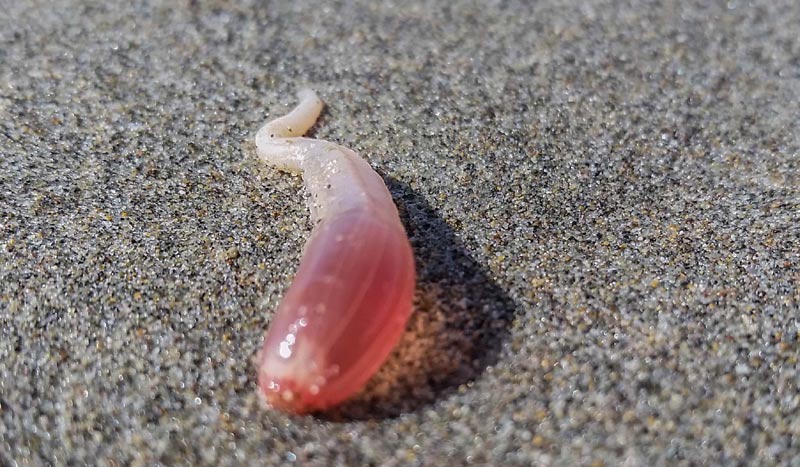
(604, 200)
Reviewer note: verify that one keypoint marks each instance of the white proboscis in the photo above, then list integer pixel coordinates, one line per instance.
(336, 178)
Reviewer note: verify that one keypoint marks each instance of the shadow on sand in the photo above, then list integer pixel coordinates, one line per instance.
(461, 320)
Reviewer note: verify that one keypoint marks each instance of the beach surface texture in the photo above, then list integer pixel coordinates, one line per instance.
(603, 199)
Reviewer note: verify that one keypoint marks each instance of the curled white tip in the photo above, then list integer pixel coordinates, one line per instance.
(295, 123)
(307, 94)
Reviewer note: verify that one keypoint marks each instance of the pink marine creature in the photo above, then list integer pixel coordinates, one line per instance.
(352, 295)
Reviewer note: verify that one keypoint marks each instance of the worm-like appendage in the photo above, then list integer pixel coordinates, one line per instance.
(352, 295)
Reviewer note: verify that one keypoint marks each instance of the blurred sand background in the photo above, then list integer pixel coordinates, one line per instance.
(603, 199)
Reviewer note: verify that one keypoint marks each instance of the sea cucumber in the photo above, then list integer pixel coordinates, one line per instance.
(352, 295)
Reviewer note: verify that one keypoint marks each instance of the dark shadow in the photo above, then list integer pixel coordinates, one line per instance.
(461, 320)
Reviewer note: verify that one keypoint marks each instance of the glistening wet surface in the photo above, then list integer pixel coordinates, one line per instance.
(602, 197)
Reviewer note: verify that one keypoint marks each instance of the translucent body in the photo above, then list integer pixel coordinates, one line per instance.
(352, 294)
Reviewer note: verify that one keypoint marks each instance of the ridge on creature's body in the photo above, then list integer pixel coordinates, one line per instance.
(352, 295)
